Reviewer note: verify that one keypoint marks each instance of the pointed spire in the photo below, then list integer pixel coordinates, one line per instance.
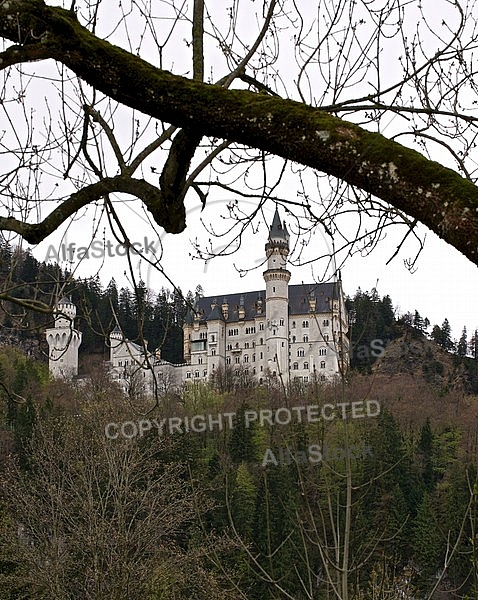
(276, 229)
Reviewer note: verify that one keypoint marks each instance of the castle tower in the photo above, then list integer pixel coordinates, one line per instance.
(116, 341)
(277, 300)
(216, 357)
(63, 341)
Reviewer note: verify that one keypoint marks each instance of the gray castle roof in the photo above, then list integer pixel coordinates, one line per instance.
(299, 296)
(277, 229)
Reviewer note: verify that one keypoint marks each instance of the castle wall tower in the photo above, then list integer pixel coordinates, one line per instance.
(63, 341)
(216, 343)
(116, 341)
(277, 300)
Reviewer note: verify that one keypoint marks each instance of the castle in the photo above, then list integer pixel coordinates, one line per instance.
(288, 332)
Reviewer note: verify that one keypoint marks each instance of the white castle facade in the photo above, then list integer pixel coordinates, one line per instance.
(63, 341)
(288, 332)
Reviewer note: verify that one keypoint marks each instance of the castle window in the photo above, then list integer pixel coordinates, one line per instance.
(204, 373)
(305, 323)
(283, 344)
(120, 364)
(293, 339)
(229, 346)
(281, 321)
(246, 358)
(326, 338)
(295, 366)
(196, 373)
(306, 379)
(306, 338)
(325, 322)
(261, 326)
(188, 375)
(200, 360)
(233, 332)
(261, 341)
(293, 324)
(228, 360)
(322, 351)
(250, 330)
(300, 352)
(322, 378)
(262, 368)
(202, 335)
(237, 359)
(306, 366)
(213, 351)
(254, 371)
(322, 364)
(274, 289)
(253, 358)
(237, 344)
(246, 345)
(261, 355)
(213, 337)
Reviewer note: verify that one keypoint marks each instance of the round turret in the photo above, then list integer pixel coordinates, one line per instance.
(64, 340)
(65, 309)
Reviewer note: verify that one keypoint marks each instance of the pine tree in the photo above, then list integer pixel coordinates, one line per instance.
(418, 322)
(462, 344)
(427, 541)
(425, 446)
(241, 443)
(243, 502)
(473, 345)
(447, 342)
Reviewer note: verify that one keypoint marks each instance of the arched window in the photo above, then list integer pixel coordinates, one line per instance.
(306, 366)
(322, 364)
(295, 366)
(322, 351)
(300, 352)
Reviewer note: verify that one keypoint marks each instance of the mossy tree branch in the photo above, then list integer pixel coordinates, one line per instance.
(149, 194)
(425, 190)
